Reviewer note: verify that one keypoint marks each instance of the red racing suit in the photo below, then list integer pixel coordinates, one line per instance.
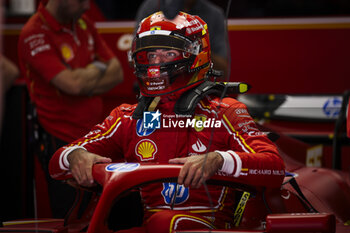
(226, 123)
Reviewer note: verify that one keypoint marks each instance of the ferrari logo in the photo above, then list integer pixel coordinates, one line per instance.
(153, 72)
(201, 118)
(155, 28)
(82, 24)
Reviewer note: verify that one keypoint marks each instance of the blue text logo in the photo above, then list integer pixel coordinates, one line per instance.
(141, 131)
(168, 192)
(122, 167)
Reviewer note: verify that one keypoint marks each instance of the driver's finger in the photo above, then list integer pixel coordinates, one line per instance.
(196, 178)
(190, 175)
(88, 175)
(76, 174)
(183, 174)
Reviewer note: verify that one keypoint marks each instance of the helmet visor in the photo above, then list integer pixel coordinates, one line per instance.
(165, 42)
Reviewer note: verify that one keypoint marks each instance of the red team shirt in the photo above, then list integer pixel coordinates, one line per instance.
(120, 137)
(45, 49)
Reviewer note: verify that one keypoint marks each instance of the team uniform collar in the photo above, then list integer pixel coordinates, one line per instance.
(50, 21)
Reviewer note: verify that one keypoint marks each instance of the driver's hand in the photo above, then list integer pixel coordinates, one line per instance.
(193, 173)
(80, 164)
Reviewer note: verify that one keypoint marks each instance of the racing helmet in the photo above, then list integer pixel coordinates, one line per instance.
(185, 33)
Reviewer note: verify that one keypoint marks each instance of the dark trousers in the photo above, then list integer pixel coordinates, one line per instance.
(61, 195)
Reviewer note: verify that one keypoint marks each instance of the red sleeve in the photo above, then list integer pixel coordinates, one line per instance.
(102, 51)
(104, 139)
(256, 159)
(36, 50)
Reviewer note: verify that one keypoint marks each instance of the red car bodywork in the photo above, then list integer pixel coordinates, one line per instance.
(282, 210)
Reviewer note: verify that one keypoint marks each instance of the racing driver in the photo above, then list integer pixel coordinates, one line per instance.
(179, 119)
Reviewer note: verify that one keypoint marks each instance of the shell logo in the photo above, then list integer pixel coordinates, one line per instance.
(67, 52)
(146, 149)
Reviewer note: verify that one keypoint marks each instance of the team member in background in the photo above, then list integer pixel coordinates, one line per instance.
(172, 63)
(67, 66)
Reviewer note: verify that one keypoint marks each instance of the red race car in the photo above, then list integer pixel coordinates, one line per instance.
(309, 200)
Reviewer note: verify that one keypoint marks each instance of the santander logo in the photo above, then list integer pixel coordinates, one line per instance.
(199, 146)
